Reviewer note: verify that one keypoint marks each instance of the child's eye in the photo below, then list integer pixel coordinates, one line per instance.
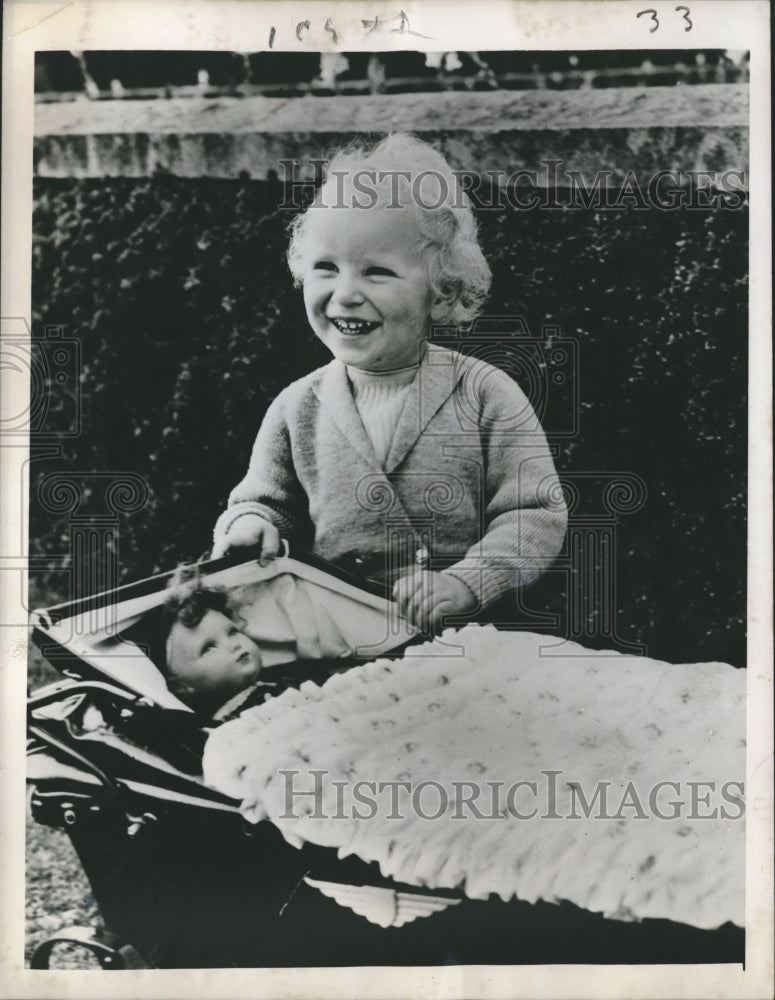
(380, 272)
(324, 265)
(206, 648)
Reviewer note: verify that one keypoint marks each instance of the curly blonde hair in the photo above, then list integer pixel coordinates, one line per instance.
(404, 167)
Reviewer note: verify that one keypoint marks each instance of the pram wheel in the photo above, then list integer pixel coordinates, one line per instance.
(107, 948)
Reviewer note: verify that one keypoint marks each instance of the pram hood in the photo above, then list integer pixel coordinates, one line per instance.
(294, 608)
(113, 720)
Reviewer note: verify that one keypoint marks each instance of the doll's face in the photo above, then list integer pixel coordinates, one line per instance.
(214, 659)
(366, 287)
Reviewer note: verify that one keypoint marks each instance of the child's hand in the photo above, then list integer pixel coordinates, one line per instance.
(424, 597)
(248, 531)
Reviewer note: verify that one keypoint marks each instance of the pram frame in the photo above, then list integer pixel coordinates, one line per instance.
(124, 813)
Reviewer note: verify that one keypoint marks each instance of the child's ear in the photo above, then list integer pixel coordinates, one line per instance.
(441, 308)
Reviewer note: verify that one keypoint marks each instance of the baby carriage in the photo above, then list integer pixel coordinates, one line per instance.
(183, 881)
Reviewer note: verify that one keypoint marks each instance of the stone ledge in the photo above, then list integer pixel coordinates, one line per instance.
(703, 127)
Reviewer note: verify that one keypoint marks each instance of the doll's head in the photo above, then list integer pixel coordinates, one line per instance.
(388, 248)
(209, 658)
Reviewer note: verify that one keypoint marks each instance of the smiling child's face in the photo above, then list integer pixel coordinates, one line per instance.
(366, 288)
(214, 659)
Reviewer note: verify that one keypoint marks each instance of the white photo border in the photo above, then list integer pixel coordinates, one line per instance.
(240, 25)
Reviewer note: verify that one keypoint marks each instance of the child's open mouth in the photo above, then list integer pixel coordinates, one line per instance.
(353, 327)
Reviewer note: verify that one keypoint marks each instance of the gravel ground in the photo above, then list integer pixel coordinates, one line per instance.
(57, 891)
(58, 895)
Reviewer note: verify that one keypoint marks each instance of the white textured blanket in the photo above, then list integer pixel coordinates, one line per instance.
(521, 768)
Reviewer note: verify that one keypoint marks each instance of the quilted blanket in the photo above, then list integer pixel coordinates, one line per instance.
(512, 764)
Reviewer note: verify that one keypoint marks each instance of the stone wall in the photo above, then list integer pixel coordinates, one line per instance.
(643, 130)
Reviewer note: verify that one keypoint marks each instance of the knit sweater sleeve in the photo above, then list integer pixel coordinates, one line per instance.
(524, 512)
(270, 487)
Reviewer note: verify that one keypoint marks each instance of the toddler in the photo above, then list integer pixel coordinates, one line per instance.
(400, 460)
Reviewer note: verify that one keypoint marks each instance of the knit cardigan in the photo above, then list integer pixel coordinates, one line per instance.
(468, 486)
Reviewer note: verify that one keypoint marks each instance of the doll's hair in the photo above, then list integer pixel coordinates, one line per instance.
(457, 269)
(190, 608)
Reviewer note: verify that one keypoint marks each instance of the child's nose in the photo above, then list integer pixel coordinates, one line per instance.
(347, 290)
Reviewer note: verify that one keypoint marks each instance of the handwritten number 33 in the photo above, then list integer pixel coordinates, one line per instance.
(655, 19)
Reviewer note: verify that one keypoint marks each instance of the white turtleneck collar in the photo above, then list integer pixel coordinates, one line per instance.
(397, 376)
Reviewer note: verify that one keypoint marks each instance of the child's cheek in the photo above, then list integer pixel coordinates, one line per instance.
(312, 298)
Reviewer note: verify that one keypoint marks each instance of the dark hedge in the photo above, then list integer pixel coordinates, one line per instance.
(178, 293)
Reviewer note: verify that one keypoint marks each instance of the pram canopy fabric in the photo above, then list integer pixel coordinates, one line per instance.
(294, 609)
